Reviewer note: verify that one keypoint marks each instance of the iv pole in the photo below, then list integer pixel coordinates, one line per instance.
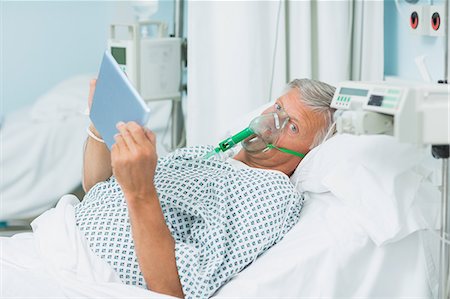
(443, 152)
(178, 133)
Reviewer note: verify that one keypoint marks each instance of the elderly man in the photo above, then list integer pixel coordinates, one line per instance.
(183, 225)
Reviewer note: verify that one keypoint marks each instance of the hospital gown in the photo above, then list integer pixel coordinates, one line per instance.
(221, 214)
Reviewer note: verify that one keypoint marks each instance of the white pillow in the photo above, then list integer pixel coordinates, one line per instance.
(380, 153)
(381, 180)
(388, 187)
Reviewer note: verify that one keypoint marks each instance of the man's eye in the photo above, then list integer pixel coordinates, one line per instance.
(277, 107)
(293, 128)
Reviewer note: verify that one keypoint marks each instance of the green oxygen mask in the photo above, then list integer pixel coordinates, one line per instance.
(261, 135)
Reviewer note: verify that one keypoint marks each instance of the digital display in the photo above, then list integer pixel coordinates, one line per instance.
(375, 100)
(119, 54)
(353, 91)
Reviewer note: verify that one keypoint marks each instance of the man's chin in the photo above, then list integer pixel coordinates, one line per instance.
(262, 155)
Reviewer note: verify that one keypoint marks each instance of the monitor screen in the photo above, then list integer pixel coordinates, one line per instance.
(119, 54)
(353, 91)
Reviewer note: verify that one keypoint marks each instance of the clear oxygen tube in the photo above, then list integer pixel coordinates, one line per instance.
(262, 134)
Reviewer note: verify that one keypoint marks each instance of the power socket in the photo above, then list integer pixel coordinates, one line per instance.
(417, 19)
(436, 20)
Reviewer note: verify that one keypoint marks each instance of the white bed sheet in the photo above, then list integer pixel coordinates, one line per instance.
(325, 255)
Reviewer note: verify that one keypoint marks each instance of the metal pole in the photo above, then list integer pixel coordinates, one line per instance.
(177, 110)
(288, 40)
(179, 18)
(444, 269)
(446, 40)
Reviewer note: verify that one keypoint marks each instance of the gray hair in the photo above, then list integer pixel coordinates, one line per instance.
(317, 96)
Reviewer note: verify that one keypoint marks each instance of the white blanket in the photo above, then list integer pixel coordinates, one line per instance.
(325, 255)
(55, 261)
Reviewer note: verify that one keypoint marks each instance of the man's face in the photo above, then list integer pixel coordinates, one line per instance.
(297, 135)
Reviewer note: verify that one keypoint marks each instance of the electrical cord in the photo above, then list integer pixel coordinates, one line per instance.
(166, 130)
(429, 228)
(397, 5)
(331, 131)
(182, 140)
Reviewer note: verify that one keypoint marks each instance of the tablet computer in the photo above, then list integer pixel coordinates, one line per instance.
(115, 99)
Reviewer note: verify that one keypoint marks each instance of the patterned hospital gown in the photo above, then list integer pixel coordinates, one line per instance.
(221, 217)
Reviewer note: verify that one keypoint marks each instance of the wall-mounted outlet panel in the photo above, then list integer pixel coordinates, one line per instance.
(417, 19)
(436, 20)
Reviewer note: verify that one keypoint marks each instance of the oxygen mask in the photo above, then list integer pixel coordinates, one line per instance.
(266, 129)
(261, 135)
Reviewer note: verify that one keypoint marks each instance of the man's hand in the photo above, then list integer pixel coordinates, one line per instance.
(133, 160)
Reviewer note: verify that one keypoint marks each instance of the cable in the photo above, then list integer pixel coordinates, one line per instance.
(329, 133)
(331, 130)
(182, 140)
(445, 240)
(166, 130)
(397, 5)
(429, 228)
(274, 52)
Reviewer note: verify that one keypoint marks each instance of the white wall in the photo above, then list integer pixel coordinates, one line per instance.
(45, 42)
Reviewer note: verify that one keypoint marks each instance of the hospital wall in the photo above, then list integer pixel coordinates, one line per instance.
(402, 46)
(45, 42)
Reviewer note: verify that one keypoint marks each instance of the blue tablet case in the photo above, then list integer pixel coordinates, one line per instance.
(115, 99)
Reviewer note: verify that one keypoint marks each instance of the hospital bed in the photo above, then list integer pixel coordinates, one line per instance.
(367, 230)
(42, 148)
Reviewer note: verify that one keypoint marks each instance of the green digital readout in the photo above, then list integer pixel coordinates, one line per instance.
(119, 54)
(353, 91)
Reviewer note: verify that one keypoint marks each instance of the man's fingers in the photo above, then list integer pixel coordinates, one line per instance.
(150, 136)
(120, 142)
(115, 152)
(135, 137)
(128, 140)
(137, 132)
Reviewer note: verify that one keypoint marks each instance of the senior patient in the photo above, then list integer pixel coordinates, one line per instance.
(183, 225)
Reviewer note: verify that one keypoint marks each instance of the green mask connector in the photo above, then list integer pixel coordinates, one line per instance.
(230, 142)
(235, 139)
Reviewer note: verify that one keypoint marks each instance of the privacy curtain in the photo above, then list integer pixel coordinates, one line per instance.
(241, 54)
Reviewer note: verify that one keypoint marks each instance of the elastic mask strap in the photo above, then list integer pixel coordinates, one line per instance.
(287, 151)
